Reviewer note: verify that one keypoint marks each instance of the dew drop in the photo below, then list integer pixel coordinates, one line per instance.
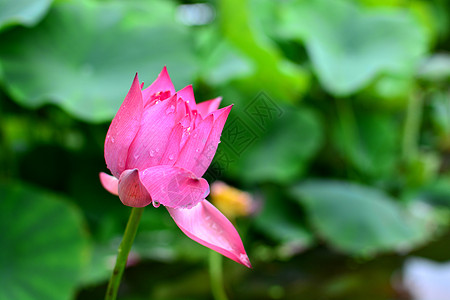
(171, 157)
(197, 150)
(170, 110)
(195, 135)
(156, 204)
(136, 156)
(157, 150)
(112, 139)
(157, 101)
(152, 153)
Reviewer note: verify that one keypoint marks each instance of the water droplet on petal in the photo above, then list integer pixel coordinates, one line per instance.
(112, 139)
(152, 153)
(195, 135)
(170, 110)
(197, 150)
(171, 157)
(136, 156)
(157, 150)
(156, 204)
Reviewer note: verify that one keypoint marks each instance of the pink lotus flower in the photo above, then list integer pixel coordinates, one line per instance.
(158, 147)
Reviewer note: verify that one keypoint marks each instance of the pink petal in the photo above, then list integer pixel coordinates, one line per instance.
(110, 183)
(162, 85)
(187, 94)
(195, 143)
(188, 121)
(206, 225)
(174, 186)
(131, 191)
(204, 159)
(152, 139)
(206, 107)
(182, 109)
(123, 129)
(173, 147)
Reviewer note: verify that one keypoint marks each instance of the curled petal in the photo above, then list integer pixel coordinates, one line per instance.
(204, 159)
(206, 225)
(110, 183)
(152, 139)
(131, 191)
(123, 129)
(206, 107)
(162, 88)
(174, 186)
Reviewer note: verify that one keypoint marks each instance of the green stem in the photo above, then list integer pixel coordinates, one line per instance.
(348, 124)
(122, 255)
(411, 131)
(215, 272)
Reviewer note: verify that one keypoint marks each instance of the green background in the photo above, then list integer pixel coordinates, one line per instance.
(340, 130)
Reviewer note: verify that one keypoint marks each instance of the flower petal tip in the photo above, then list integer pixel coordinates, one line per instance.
(206, 225)
(164, 75)
(243, 260)
(135, 81)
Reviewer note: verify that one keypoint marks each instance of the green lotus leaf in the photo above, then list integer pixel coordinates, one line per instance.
(349, 46)
(356, 219)
(25, 12)
(44, 245)
(84, 55)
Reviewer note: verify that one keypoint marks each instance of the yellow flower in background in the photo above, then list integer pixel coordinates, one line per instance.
(231, 201)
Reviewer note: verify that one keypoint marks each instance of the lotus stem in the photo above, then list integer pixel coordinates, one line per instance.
(123, 251)
(410, 143)
(216, 276)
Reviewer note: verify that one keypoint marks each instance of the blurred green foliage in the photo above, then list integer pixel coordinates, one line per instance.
(340, 129)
